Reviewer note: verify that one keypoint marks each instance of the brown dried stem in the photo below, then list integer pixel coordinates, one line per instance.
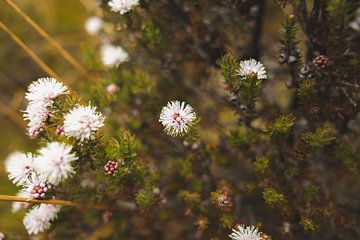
(9, 198)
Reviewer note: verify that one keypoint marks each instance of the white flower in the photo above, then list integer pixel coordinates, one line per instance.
(355, 24)
(36, 186)
(16, 206)
(36, 113)
(54, 162)
(177, 117)
(82, 122)
(45, 90)
(19, 166)
(113, 56)
(245, 233)
(251, 67)
(38, 218)
(93, 25)
(122, 6)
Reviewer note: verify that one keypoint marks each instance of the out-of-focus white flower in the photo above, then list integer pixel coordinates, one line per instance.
(38, 218)
(16, 206)
(355, 24)
(36, 186)
(123, 6)
(93, 25)
(177, 117)
(82, 122)
(113, 56)
(45, 90)
(245, 233)
(2, 236)
(251, 67)
(19, 167)
(54, 162)
(36, 113)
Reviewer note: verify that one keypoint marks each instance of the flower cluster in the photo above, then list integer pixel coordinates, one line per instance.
(40, 95)
(36, 174)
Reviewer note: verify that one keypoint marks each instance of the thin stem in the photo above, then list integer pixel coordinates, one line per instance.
(8, 198)
(5, 110)
(31, 54)
(51, 40)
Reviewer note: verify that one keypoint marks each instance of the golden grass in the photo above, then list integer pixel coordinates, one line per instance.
(31, 54)
(47, 37)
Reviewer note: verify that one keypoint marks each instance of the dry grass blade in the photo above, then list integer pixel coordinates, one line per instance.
(16, 118)
(8, 198)
(33, 56)
(45, 35)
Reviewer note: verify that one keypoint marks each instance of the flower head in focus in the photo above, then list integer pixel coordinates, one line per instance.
(45, 90)
(19, 167)
(93, 25)
(39, 217)
(82, 122)
(113, 56)
(54, 162)
(122, 6)
(245, 233)
(250, 68)
(177, 117)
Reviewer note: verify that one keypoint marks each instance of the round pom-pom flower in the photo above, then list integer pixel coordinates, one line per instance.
(251, 68)
(245, 233)
(19, 167)
(38, 218)
(122, 6)
(45, 89)
(54, 162)
(177, 117)
(82, 122)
